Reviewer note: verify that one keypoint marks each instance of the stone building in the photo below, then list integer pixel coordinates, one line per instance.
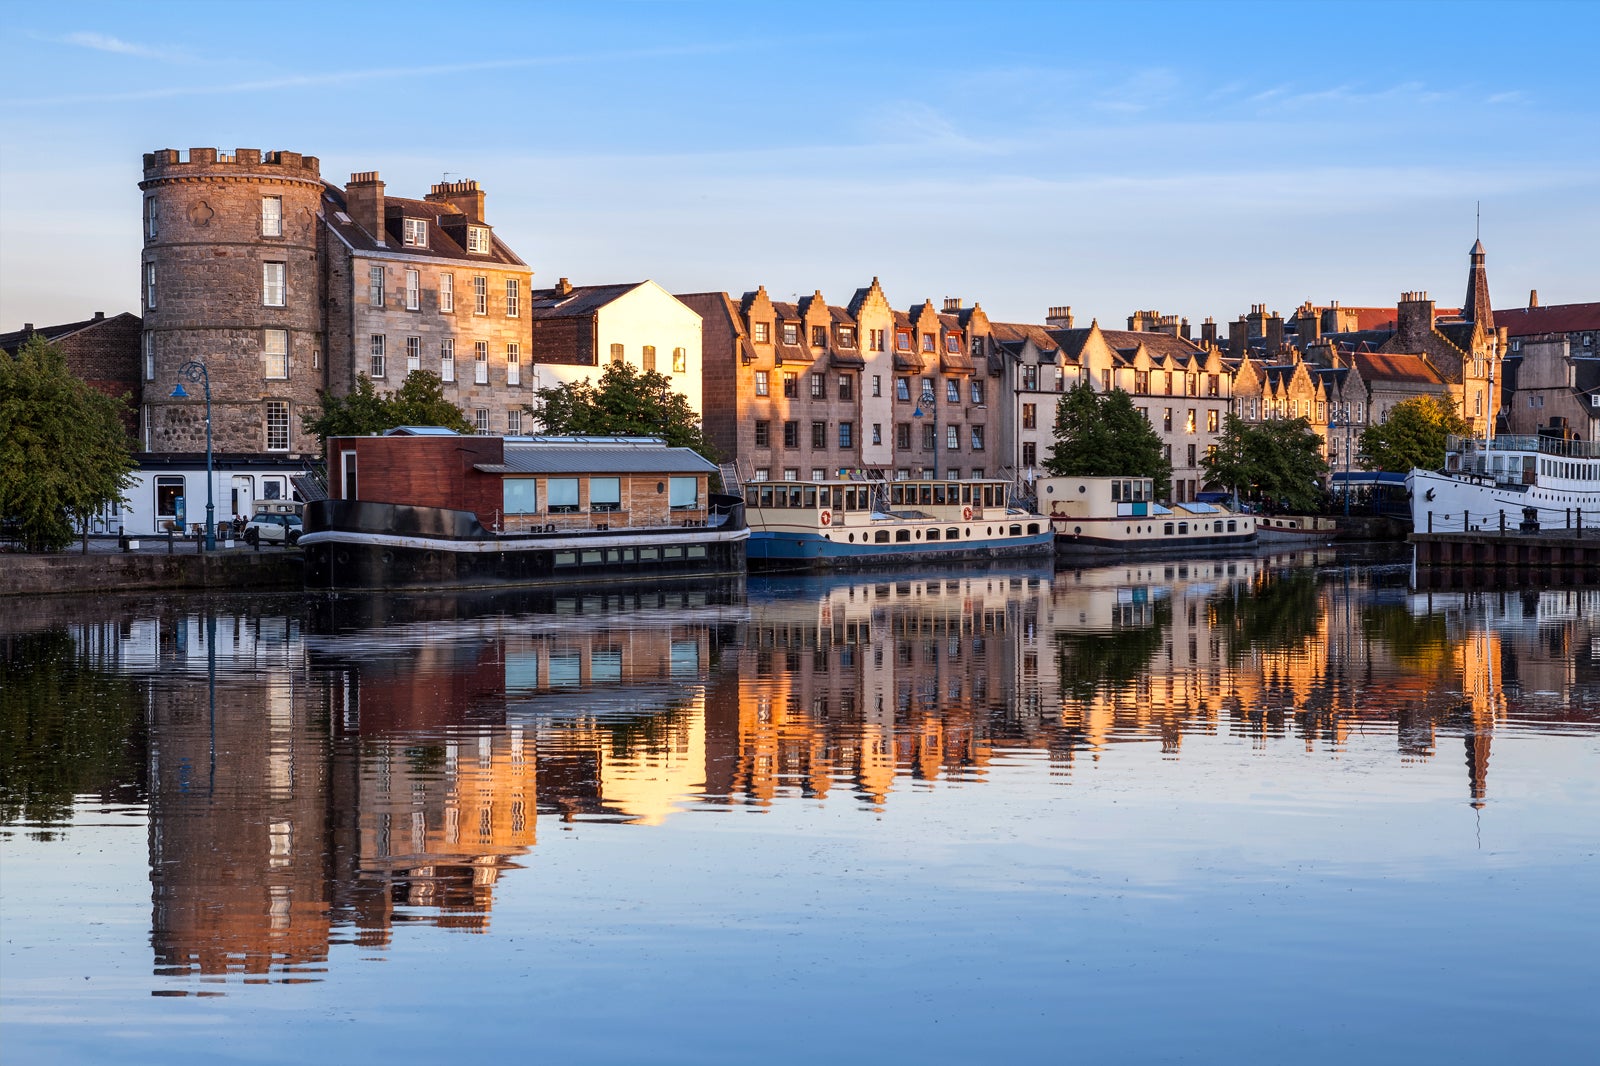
(103, 352)
(1554, 389)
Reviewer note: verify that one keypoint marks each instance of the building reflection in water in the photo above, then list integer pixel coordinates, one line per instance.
(389, 766)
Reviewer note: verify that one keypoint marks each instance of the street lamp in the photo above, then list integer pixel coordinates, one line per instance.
(195, 371)
(930, 400)
(1334, 426)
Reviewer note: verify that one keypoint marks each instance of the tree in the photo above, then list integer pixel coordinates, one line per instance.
(418, 402)
(1412, 435)
(64, 453)
(1278, 462)
(626, 403)
(1106, 436)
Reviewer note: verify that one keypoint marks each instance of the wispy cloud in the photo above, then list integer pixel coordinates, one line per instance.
(104, 42)
(1516, 96)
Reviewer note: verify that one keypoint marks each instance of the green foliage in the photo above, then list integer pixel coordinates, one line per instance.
(64, 453)
(626, 402)
(65, 729)
(1090, 665)
(418, 402)
(1412, 435)
(1278, 462)
(1278, 613)
(1106, 436)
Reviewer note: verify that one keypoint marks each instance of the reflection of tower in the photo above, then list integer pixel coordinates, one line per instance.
(1478, 766)
(1478, 662)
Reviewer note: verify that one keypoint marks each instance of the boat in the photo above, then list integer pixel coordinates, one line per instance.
(1112, 516)
(1295, 529)
(852, 524)
(428, 508)
(1520, 482)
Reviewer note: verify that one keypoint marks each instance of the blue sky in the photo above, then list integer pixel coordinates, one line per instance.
(1188, 158)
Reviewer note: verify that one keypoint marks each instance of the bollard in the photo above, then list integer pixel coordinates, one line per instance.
(1502, 521)
(169, 540)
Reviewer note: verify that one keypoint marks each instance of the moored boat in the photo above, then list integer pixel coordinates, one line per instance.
(846, 524)
(1111, 516)
(1295, 529)
(1508, 482)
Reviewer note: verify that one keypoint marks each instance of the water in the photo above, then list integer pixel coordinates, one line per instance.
(1277, 808)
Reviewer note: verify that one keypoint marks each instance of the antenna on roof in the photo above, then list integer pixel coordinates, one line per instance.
(1477, 225)
(444, 176)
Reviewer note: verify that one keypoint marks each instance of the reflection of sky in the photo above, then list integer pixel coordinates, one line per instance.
(1251, 896)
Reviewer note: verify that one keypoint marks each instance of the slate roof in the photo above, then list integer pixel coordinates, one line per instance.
(1399, 369)
(441, 245)
(712, 305)
(1557, 318)
(582, 300)
(577, 458)
(10, 342)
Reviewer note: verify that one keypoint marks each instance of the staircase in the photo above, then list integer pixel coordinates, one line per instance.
(730, 479)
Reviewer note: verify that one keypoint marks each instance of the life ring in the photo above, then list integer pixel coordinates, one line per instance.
(966, 513)
(827, 518)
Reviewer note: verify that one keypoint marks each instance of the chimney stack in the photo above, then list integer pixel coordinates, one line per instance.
(1059, 318)
(1208, 331)
(563, 287)
(464, 196)
(1533, 298)
(952, 304)
(1415, 318)
(363, 199)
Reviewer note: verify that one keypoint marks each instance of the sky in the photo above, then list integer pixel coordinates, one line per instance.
(1190, 158)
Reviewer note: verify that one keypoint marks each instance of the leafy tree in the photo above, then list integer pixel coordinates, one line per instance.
(1278, 462)
(64, 452)
(1412, 435)
(626, 402)
(1106, 436)
(418, 402)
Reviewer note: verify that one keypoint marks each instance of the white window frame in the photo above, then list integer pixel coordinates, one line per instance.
(413, 354)
(149, 356)
(277, 422)
(272, 216)
(275, 354)
(413, 290)
(375, 286)
(513, 298)
(480, 363)
(478, 240)
(274, 285)
(151, 224)
(480, 294)
(763, 383)
(149, 285)
(480, 419)
(680, 361)
(513, 421)
(376, 352)
(513, 364)
(447, 359)
(414, 232)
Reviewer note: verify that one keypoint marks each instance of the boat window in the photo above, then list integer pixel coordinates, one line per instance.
(521, 495)
(794, 496)
(683, 493)
(649, 555)
(952, 534)
(766, 495)
(1232, 526)
(1116, 492)
(811, 498)
(1183, 528)
(881, 536)
(1015, 531)
(938, 494)
(897, 495)
(933, 534)
(752, 496)
(966, 493)
(925, 495)
(1033, 527)
(901, 535)
(1167, 529)
(605, 494)
(561, 494)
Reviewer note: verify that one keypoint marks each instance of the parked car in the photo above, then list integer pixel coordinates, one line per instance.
(273, 529)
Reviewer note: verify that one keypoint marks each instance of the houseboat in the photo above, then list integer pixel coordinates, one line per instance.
(1509, 482)
(848, 524)
(428, 508)
(1110, 516)
(1295, 529)
(167, 492)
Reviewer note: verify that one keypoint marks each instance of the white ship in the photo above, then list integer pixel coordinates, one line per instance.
(1508, 483)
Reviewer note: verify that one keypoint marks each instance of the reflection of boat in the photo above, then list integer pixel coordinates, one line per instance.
(1101, 516)
(828, 525)
(1295, 529)
(436, 510)
(1489, 485)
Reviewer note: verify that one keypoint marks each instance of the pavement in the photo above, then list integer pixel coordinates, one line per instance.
(107, 544)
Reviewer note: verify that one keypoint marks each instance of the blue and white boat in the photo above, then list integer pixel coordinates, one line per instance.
(847, 525)
(1115, 516)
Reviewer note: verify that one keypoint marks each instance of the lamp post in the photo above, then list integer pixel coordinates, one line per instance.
(1334, 426)
(195, 371)
(931, 401)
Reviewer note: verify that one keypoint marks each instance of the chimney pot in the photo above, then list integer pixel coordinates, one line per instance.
(98, 315)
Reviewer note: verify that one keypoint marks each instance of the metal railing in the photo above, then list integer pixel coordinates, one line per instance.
(1530, 519)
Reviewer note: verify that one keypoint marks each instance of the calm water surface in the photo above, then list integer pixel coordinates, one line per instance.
(1262, 809)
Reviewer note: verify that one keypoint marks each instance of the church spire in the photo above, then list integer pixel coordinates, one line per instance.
(1476, 307)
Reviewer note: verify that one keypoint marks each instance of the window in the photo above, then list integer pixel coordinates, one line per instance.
(819, 336)
(513, 420)
(847, 387)
(480, 420)
(791, 386)
(375, 286)
(1188, 425)
(414, 233)
(561, 495)
(1169, 383)
(1213, 384)
(149, 216)
(791, 434)
(791, 333)
(819, 434)
(847, 433)
(1030, 454)
(875, 339)
(877, 385)
(1030, 416)
(413, 354)
(1030, 377)
(617, 355)
(818, 473)
(447, 359)
(1213, 419)
(877, 432)
(277, 425)
(683, 493)
(847, 337)
(272, 288)
(791, 473)
(413, 291)
(763, 434)
(761, 332)
(952, 343)
(762, 474)
(149, 356)
(1166, 419)
(928, 342)
(930, 439)
(478, 240)
(819, 386)
(480, 295)
(605, 494)
(1105, 379)
(952, 390)
(1191, 455)
(902, 388)
(520, 495)
(375, 350)
(927, 390)
(902, 436)
(1141, 381)
(447, 292)
(480, 363)
(977, 392)
(513, 364)
(648, 357)
(952, 437)
(272, 216)
(274, 353)
(902, 340)
(762, 386)
(513, 297)
(977, 438)
(680, 361)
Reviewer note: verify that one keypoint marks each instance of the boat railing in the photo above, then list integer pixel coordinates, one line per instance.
(1525, 519)
(1523, 442)
(602, 521)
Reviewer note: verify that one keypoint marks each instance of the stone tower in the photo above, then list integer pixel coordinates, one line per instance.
(230, 276)
(1476, 307)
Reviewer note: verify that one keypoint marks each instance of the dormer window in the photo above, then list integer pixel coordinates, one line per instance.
(791, 333)
(847, 337)
(952, 344)
(902, 341)
(478, 240)
(761, 332)
(415, 233)
(819, 336)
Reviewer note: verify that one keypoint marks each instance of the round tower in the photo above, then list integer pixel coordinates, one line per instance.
(229, 277)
